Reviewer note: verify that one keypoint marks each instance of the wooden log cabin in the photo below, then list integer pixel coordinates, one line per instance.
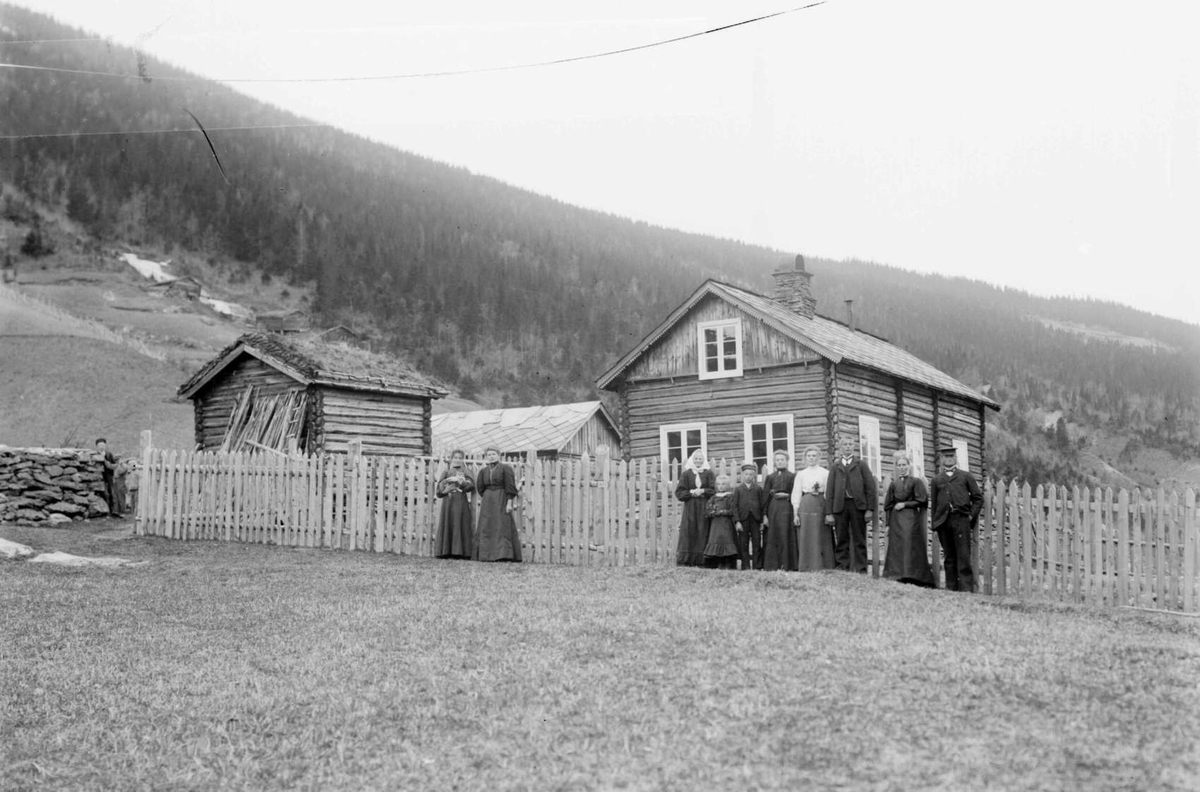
(308, 396)
(556, 431)
(740, 375)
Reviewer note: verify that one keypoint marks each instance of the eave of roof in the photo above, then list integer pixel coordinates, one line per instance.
(279, 355)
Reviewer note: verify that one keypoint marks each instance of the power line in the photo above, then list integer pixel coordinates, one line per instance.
(190, 131)
(422, 75)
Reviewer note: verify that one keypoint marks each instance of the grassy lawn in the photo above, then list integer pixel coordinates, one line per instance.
(248, 667)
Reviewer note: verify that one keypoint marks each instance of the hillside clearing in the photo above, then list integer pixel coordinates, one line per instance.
(242, 666)
(67, 391)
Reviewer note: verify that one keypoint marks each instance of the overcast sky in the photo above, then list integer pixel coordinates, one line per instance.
(1051, 146)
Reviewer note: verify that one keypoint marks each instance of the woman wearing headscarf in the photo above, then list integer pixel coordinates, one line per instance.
(696, 485)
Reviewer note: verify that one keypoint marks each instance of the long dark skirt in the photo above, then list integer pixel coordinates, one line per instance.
(722, 549)
(906, 559)
(497, 538)
(779, 541)
(814, 539)
(693, 533)
(455, 526)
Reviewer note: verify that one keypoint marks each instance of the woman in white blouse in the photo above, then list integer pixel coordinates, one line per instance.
(813, 537)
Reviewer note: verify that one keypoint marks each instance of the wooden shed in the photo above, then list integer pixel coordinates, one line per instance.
(558, 431)
(264, 391)
(186, 287)
(740, 375)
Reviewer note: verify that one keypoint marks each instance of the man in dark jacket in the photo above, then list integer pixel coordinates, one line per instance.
(955, 505)
(747, 504)
(108, 466)
(849, 505)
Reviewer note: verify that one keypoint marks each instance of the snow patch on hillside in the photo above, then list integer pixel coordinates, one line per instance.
(149, 269)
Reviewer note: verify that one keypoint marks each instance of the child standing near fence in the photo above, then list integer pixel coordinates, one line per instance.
(131, 484)
(747, 503)
(722, 549)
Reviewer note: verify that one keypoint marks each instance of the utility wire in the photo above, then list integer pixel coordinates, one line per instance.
(420, 75)
(190, 131)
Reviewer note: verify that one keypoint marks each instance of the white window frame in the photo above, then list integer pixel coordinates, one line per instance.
(683, 429)
(868, 440)
(701, 360)
(962, 450)
(914, 444)
(747, 444)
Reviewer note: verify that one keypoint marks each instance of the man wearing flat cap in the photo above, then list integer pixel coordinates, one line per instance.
(956, 502)
(747, 504)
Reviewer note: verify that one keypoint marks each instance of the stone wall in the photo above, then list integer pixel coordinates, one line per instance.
(50, 485)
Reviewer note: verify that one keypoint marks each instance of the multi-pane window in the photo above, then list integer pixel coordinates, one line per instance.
(677, 442)
(766, 434)
(868, 443)
(720, 350)
(914, 443)
(964, 460)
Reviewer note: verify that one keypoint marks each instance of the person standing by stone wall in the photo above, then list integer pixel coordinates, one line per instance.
(108, 467)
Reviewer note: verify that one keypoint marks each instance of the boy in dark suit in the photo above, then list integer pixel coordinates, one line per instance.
(747, 504)
(955, 503)
(850, 499)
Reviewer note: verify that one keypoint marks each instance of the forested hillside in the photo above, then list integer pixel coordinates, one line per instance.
(517, 298)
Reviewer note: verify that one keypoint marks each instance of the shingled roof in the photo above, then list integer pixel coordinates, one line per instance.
(514, 430)
(312, 361)
(832, 340)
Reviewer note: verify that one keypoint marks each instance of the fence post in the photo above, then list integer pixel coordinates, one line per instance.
(526, 519)
(353, 458)
(1189, 550)
(139, 517)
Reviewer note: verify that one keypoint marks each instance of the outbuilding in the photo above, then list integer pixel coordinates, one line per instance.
(556, 431)
(291, 395)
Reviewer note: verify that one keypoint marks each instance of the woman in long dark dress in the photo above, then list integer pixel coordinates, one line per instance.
(814, 539)
(696, 485)
(779, 534)
(456, 521)
(904, 507)
(721, 551)
(496, 538)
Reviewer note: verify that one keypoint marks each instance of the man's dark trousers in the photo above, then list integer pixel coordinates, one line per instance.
(957, 538)
(850, 538)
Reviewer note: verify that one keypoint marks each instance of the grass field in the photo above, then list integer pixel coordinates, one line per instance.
(251, 667)
(64, 390)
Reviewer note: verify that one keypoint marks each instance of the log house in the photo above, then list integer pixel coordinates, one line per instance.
(740, 375)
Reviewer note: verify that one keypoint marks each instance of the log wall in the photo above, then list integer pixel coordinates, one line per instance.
(723, 404)
(214, 404)
(386, 424)
(676, 353)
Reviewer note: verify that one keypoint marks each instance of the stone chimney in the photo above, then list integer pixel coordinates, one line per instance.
(793, 291)
(850, 314)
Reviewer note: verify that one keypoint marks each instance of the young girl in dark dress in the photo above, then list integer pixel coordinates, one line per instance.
(779, 535)
(456, 520)
(722, 548)
(696, 485)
